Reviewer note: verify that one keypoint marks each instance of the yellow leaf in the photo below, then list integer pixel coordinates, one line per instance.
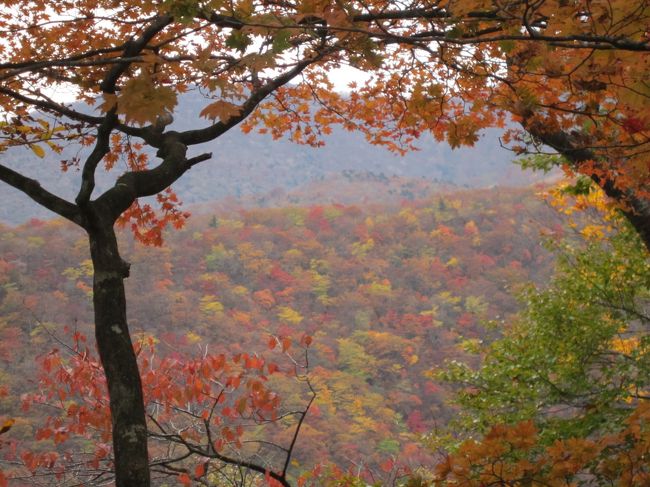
(6, 426)
(141, 101)
(452, 262)
(192, 337)
(210, 305)
(594, 232)
(38, 150)
(380, 288)
(259, 62)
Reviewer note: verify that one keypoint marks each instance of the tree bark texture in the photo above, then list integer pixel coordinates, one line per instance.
(119, 360)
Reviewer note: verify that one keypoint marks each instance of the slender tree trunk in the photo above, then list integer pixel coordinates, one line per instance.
(118, 359)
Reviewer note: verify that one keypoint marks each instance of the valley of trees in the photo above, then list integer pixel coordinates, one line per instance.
(387, 294)
(571, 74)
(422, 288)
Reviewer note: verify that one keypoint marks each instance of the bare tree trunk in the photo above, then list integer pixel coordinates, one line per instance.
(118, 359)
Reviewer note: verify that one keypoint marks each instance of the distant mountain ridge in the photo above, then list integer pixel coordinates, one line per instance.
(250, 167)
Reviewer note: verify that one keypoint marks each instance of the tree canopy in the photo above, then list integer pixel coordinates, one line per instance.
(573, 73)
(562, 397)
(577, 356)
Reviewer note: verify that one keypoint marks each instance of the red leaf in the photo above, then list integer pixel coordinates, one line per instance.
(633, 125)
(198, 386)
(185, 479)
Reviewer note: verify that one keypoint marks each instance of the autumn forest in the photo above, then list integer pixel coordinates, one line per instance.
(193, 292)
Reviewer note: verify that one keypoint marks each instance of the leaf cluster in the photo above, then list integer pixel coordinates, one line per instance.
(577, 357)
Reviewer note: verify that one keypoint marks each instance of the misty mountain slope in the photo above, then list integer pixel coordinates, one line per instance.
(249, 166)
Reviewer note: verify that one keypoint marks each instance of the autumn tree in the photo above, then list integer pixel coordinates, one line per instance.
(207, 415)
(563, 394)
(127, 62)
(572, 73)
(513, 455)
(576, 357)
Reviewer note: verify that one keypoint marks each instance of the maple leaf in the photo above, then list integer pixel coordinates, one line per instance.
(141, 101)
(222, 110)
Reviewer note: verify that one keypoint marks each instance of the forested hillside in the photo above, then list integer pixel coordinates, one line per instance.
(394, 332)
(385, 293)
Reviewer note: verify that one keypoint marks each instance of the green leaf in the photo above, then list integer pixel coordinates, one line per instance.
(540, 162)
(582, 186)
(281, 41)
(580, 345)
(238, 40)
(507, 46)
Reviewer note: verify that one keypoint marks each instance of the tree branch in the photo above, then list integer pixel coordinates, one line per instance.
(303, 414)
(638, 213)
(192, 137)
(102, 147)
(51, 106)
(35, 191)
(133, 48)
(173, 148)
(108, 85)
